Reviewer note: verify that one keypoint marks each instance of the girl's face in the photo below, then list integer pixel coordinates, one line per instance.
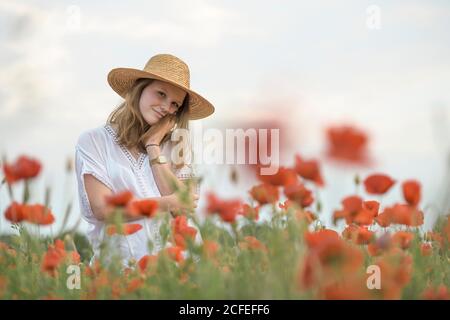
(159, 99)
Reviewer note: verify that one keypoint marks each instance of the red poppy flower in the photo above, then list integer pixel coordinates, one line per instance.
(119, 199)
(378, 183)
(146, 261)
(181, 231)
(250, 212)
(395, 271)
(403, 239)
(23, 168)
(145, 207)
(356, 211)
(436, 293)
(358, 234)
(380, 245)
(284, 177)
(352, 204)
(315, 239)
(265, 193)
(411, 192)
(175, 253)
(126, 229)
(372, 206)
(55, 255)
(252, 243)
(401, 214)
(347, 288)
(426, 249)
(330, 254)
(227, 209)
(51, 260)
(300, 194)
(210, 248)
(309, 170)
(38, 214)
(15, 213)
(347, 143)
(434, 237)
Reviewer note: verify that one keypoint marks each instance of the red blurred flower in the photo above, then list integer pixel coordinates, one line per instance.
(355, 210)
(426, 249)
(265, 193)
(403, 239)
(145, 207)
(119, 199)
(380, 245)
(400, 214)
(395, 270)
(328, 257)
(147, 261)
(378, 183)
(434, 237)
(347, 143)
(15, 213)
(352, 204)
(372, 206)
(55, 255)
(175, 253)
(436, 293)
(348, 288)
(309, 170)
(38, 214)
(315, 239)
(210, 248)
(284, 177)
(358, 234)
(250, 242)
(250, 212)
(411, 192)
(300, 194)
(181, 231)
(126, 229)
(227, 209)
(23, 168)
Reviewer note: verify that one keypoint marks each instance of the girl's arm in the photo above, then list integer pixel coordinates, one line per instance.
(165, 179)
(97, 192)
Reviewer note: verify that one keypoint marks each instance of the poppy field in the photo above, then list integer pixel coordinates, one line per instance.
(382, 253)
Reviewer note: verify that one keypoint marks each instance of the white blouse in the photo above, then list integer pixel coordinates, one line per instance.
(99, 153)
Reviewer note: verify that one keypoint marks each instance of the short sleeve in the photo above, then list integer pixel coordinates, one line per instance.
(90, 159)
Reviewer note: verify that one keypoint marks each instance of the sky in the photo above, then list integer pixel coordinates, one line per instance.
(307, 64)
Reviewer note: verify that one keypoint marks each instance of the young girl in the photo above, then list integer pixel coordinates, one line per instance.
(132, 150)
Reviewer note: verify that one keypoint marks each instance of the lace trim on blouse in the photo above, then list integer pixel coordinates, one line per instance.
(138, 163)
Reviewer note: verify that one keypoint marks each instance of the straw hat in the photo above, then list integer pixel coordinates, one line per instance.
(164, 67)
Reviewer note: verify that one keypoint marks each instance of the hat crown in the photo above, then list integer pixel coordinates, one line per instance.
(169, 67)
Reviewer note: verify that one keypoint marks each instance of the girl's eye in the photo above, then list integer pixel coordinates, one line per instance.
(162, 94)
(175, 105)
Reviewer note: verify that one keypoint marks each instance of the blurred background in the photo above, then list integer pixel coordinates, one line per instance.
(380, 67)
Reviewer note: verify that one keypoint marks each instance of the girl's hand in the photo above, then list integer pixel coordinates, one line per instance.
(156, 133)
(179, 207)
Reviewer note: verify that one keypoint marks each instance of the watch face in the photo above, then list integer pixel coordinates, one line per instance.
(162, 159)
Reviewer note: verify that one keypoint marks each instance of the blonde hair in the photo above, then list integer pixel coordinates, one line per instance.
(131, 125)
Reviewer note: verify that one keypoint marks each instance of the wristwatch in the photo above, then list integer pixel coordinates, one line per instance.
(159, 159)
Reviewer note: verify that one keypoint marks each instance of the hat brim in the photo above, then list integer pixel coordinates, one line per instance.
(122, 80)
